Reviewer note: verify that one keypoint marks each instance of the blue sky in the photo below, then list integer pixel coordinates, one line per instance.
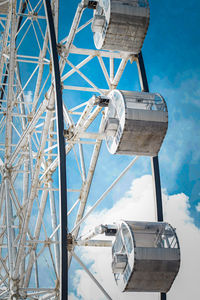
(171, 54)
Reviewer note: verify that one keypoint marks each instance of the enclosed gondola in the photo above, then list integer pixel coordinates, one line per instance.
(145, 256)
(136, 123)
(4, 7)
(120, 24)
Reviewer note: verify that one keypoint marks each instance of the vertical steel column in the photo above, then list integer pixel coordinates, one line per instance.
(8, 142)
(154, 160)
(2, 89)
(61, 154)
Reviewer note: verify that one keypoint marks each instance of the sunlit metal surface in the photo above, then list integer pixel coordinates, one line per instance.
(146, 256)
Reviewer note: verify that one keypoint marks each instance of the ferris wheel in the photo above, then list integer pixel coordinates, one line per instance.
(60, 103)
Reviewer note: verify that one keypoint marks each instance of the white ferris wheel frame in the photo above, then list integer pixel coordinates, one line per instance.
(32, 153)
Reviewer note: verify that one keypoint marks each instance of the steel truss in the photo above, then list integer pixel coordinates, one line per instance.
(31, 215)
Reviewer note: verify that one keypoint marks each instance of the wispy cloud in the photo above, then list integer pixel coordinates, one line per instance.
(182, 141)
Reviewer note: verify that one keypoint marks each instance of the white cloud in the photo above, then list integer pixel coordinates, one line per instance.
(138, 204)
(186, 285)
(182, 139)
(28, 96)
(198, 207)
(72, 297)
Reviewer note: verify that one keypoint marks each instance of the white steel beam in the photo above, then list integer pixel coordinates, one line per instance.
(119, 72)
(84, 122)
(8, 141)
(36, 236)
(94, 243)
(110, 54)
(34, 182)
(74, 27)
(23, 139)
(77, 67)
(104, 195)
(86, 186)
(40, 72)
(83, 76)
(91, 276)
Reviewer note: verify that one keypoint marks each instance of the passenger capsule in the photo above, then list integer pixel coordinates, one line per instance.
(4, 5)
(120, 24)
(136, 123)
(145, 256)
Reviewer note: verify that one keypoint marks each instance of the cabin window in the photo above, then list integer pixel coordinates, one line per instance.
(127, 239)
(118, 245)
(162, 236)
(127, 273)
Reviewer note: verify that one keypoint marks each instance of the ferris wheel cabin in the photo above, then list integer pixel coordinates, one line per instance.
(145, 256)
(136, 123)
(4, 7)
(120, 24)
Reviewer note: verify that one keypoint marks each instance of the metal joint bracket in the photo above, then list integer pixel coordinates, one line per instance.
(33, 15)
(102, 101)
(70, 242)
(68, 133)
(60, 49)
(30, 117)
(47, 242)
(109, 230)
(92, 4)
(6, 172)
(84, 3)
(133, 57)
(49, 178)
(50, 108)
(14, 285)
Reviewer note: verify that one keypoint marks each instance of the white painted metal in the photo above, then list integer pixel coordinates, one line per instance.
(104, 195)
(91, 276)
(29, 209)
(28, 160)
(94, 243)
